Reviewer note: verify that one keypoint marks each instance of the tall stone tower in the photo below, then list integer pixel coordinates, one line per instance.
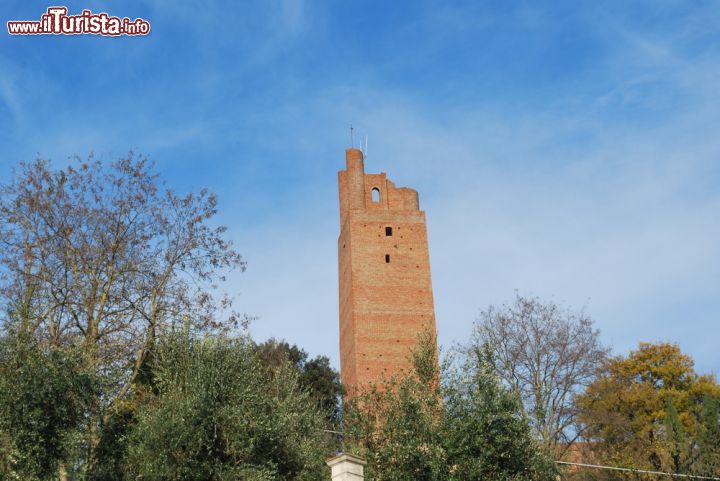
(386, 295)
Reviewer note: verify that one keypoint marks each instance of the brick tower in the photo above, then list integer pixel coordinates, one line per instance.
(386, 295)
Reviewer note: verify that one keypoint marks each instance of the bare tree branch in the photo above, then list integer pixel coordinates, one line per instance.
(545, 354)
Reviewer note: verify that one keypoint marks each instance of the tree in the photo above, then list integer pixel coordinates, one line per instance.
(397, 425)
(708, 439)
(545, 354)
(488, 434)
(219, 415)
(105, 257)
(651, 410)
(44, 395)
(454, 423)
(316, 374)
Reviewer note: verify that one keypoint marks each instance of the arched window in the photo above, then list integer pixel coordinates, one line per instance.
(375, 195)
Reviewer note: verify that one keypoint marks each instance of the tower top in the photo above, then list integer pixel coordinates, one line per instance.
(353, 155)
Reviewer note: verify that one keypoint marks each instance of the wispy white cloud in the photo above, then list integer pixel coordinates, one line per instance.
(586, 206)
(562, 151)
(9, 95)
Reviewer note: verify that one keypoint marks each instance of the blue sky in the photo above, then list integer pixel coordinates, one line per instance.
(564, 149)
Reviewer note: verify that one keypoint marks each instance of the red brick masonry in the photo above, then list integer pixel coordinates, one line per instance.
(386, 295)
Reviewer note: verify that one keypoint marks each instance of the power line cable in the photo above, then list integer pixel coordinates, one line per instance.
(633, 470)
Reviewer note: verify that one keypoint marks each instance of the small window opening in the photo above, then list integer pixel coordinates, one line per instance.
(388, 231)
(387, 258)
(376, 195)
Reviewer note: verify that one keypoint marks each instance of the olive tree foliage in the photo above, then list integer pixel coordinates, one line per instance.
(447, 423)
(546, 354)
(220, 415)
(102, 255)
(316, 374)
(44, 395)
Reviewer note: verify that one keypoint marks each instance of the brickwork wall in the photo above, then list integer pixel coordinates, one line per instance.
(386, 295)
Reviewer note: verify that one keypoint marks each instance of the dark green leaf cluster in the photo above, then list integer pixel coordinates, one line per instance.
(487, 436)
(45, 394)
(455, 423)
(218, 415)
(315, 375)
(708, 439)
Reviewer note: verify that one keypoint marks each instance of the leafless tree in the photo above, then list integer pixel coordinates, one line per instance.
(101, 255)
(545, 353)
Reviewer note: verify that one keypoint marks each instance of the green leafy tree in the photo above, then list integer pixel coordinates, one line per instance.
(678, 447)
(219, 415)
(708, 439)
(316, 374)
(397, 425)
(488, 436)
(44, 396)
(455, 423)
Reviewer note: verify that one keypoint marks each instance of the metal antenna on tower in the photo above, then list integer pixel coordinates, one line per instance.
(352, 140)
(365, 151)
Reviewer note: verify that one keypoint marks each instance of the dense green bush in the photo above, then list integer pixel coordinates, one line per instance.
(44, 396)
(219, 415)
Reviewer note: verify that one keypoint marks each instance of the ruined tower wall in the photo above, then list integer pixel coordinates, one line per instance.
(386, 297)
